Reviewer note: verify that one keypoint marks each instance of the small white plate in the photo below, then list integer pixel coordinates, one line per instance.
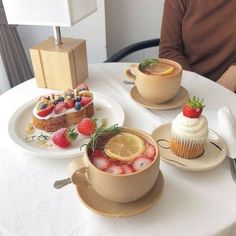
(105, 108)
(214, 151)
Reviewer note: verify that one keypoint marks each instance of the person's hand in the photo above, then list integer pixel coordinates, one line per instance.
(228, 79)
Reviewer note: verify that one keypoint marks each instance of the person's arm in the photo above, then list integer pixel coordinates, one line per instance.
(171, 44)
(228, 79)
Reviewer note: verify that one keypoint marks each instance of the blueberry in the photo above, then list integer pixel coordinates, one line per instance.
(60, 99)
(78, 99)
(78, 106)
(43, 106)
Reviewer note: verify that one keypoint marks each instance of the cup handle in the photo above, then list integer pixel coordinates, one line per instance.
(78, 172)
(128, 72)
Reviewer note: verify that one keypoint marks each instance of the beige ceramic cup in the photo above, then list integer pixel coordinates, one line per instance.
(156, 88)
(117, 188)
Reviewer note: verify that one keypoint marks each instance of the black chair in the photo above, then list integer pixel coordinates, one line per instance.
(133, 48)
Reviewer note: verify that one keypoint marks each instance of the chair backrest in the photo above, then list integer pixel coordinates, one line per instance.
(133, 48)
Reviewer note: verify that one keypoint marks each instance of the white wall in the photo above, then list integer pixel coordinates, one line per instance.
(91, 28)
(127, 21)
(130, 21)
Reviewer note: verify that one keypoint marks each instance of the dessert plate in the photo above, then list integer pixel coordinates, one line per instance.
(106, 110)
(181, 97)
(91, 199)
(214, 151)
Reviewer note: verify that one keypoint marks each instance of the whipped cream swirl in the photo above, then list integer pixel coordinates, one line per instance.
(186, 128)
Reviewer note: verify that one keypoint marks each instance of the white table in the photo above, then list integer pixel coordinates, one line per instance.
(193, 203)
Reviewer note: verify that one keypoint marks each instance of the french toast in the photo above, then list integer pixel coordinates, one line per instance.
(56, 111)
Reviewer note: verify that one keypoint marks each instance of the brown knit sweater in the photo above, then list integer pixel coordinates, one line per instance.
(200, 35)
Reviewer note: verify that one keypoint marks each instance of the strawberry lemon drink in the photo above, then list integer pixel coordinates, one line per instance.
(115, 160)
(157, 67)
(122, 153)
(156, 80)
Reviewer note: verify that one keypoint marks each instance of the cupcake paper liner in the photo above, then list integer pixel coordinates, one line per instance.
(188, 149)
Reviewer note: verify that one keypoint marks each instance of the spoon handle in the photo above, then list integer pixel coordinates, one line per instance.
(61, 183)
(127, 82)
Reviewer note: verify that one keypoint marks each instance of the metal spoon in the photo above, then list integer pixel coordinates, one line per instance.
(61, 183)
(127, 82)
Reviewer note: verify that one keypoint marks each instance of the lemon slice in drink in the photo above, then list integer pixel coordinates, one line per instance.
(124, 147)
(162, 69)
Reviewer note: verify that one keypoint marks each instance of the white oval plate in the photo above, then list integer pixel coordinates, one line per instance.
(214, 151)
(105, 108)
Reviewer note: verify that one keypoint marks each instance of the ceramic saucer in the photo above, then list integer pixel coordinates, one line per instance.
(101, 206)
(181, 97)
(214, 151)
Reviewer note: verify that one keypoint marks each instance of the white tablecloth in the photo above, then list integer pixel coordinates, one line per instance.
(193, 203)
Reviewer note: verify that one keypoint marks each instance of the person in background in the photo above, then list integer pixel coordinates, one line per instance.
(201, 36)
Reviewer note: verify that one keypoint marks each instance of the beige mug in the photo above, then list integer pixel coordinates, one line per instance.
(117, 188)
(156, 88)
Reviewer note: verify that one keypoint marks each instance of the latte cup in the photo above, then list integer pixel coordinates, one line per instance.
(117, 188)
(156, 88)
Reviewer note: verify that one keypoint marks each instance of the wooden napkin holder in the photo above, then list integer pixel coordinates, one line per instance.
(60, 67)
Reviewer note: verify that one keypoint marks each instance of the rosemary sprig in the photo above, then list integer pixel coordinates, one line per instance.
(41, 137)
(146, 63)
(30, 138)
(101, 132)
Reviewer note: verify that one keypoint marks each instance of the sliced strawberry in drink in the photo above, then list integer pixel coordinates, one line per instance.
(115, 170)
(98, 153)
(141, 162)
(150, 151)
(116, 162)
(101, 162)
(60, 107)
(127, 169)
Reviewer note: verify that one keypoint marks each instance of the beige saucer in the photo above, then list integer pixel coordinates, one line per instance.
(101, 206)
(181, 97)
(214, 151)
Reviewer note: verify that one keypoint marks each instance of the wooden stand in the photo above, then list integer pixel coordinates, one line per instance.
(60, 67)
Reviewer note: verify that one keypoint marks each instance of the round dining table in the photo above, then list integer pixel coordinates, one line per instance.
(192, 202)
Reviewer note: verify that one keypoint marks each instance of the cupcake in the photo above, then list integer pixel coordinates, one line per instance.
(189, 130)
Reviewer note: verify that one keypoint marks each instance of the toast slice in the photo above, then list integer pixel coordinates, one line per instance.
(62, 114)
